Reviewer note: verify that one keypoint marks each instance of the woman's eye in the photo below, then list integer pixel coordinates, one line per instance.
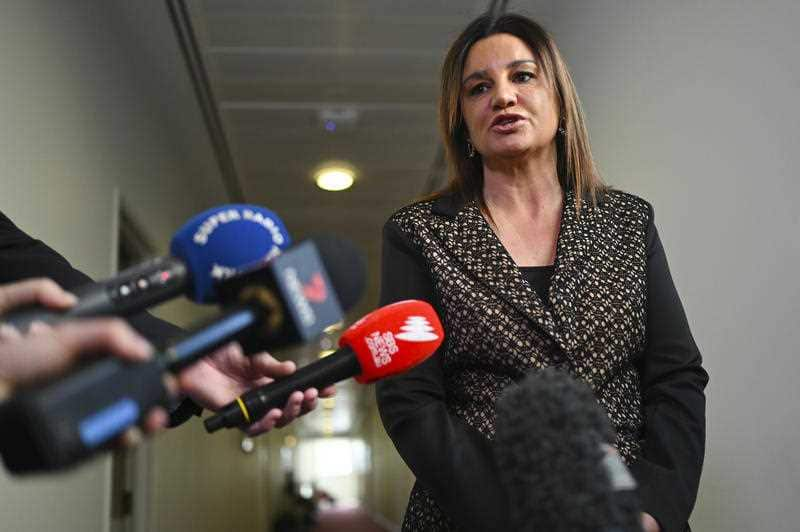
(523, 76)
(480, 88)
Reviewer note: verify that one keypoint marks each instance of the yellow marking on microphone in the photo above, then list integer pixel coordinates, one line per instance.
(244, 410)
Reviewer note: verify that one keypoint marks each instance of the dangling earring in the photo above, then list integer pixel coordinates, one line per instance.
(470, 150)
(561, 130)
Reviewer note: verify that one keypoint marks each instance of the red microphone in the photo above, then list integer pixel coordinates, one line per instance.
(385, 342)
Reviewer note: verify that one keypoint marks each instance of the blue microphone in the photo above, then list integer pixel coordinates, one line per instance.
(213, 245)
(221, 242)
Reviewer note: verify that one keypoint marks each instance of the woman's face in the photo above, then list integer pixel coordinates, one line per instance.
(509, 106)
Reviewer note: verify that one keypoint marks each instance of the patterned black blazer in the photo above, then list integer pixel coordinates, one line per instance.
(613, 319)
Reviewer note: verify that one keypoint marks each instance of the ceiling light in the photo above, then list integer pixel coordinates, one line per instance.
(334, 178)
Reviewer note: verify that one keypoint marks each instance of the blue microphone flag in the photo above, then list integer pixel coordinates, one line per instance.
(220, 242)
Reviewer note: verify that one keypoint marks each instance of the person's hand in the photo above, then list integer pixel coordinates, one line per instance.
(649, 524)
(42, 291)
(47, 351)
(219, 378)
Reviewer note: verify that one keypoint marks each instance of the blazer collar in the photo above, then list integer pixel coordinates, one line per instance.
(472, 241)
(448, 205)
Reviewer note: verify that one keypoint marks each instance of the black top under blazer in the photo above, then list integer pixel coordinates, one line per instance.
(613, 319)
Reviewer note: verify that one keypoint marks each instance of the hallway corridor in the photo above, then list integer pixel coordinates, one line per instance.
(347, 519)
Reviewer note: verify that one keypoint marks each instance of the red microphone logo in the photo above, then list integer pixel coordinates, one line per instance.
(315, 290)
(393, 338)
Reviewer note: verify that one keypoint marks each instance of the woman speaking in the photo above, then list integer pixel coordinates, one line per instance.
(531, 261)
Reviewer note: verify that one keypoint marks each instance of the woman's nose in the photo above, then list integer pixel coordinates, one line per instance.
(504, 96)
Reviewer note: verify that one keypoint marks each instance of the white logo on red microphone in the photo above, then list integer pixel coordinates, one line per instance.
(382, 347)
(417, 329)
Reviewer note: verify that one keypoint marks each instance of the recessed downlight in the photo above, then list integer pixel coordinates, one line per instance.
(334, 178)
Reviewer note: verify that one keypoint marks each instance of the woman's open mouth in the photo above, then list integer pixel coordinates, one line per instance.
(506, 123)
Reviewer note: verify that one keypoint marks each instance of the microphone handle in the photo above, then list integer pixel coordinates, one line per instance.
(131, 291)
(240, 323)
(63, 422)
(251, 406)
(67, 420)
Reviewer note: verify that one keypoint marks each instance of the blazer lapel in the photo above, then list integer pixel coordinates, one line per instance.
(575, 240)
(473, 243)
(470, 239)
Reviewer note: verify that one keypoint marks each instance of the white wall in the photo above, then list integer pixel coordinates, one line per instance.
(82, 113)
(78, 120)
(693, 105)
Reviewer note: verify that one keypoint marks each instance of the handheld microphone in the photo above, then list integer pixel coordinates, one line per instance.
(554, 453)
(211, 246)
(66, 420)
(385, 342)
(295, 288)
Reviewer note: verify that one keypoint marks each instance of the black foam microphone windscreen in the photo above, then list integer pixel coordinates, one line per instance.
(553, 445)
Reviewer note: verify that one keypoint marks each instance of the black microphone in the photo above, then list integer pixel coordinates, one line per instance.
(302, 296)
(385, 342)
(556, 462)
(212, 245)
(68, 419)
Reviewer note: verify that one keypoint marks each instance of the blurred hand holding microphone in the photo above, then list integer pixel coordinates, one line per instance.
(208, 248)
(385, 342)
(63, 421)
